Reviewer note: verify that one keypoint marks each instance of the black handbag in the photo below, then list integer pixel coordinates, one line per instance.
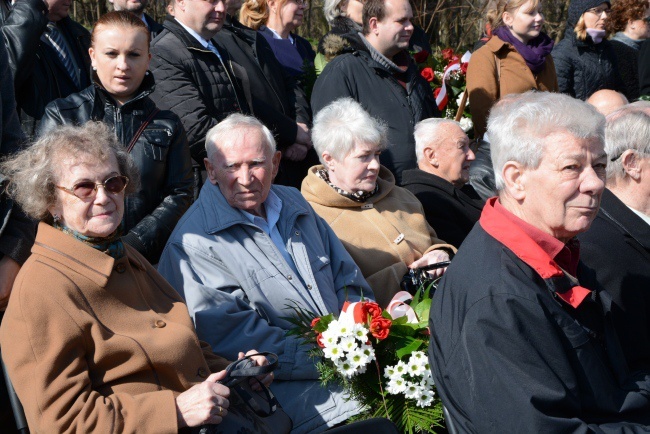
(250, 411)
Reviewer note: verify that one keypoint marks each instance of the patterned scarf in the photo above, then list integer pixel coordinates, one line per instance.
(111, 245)
(359, 196)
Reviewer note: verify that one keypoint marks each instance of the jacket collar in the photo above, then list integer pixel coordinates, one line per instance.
(218, 215)
(616, 211)
(93, 264)
(318, 191)
(146, 88)
(188, 40)
(516, 240)
(495, 44)
(419, 176)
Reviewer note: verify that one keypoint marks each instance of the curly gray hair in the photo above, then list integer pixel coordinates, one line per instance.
(33, 174)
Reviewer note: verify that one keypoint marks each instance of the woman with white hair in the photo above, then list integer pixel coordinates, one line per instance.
(345, 20)
(617, 246)
(381, 225)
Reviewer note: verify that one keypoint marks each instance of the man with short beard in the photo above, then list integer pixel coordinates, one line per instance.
(137, 8)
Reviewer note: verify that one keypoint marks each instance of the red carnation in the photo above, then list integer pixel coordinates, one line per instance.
(380, 327)
(427, 74)
(447, 54)
(315, 321)
(372, 309)
(319, 340)
(421, 56)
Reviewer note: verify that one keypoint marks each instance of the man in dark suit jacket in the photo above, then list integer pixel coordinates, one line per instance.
(137, 8)
(32, 31)
(617, 246)
(450, 204)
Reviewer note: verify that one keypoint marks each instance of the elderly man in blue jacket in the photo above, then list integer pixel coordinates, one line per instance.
(247, 251)
(518, 344)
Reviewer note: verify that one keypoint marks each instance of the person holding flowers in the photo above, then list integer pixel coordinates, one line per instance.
(381, 225)
(516, 59)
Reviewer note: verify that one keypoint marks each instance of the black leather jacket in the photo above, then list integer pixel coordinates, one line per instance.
(39, 75)
(161, 154)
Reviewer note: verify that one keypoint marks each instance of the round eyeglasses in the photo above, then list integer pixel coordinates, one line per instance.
(88, 189)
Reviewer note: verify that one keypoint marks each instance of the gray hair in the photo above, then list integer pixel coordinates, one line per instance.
(33, 174)
(223, 133)
(427, 132)
(342, 124)
(627, 128)
(332, 9)
(644, 105)
(519, 124)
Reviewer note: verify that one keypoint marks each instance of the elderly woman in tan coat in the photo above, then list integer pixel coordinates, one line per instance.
(94, 339)
(515, 59)
(381, 225)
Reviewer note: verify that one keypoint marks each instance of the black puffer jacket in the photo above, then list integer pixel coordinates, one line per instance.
(358, 76)
(194, 84)
(161, 154)
(583, 67)
(39, 75)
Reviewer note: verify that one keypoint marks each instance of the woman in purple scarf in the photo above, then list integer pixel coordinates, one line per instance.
(516, 59)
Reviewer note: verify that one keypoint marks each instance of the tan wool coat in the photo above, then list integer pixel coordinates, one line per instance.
(94, 344)
(488, 81)
(383, 235)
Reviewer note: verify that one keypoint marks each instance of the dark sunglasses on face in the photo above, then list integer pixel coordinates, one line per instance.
(88, 189)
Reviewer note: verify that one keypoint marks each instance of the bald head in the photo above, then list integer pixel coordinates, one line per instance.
(607, 101)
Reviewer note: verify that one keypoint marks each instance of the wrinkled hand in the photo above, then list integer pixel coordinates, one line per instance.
(431, 258)
(8, 271)
(260, 360)
(296, 152)
(204, 403)
(303, 136)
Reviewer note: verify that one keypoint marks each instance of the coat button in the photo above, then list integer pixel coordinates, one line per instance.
(160, 323)
(120, 268)
(202, 372)
(308, 286)
(289, 277)
(297, 233)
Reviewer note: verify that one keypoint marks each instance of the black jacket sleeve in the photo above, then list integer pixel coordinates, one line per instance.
(22, 33)
(17, 231)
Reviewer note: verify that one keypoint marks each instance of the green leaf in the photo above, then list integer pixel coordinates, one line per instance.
(422, 309)
(412, 345)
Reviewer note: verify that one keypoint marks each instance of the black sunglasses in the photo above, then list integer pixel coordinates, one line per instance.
(88, 189)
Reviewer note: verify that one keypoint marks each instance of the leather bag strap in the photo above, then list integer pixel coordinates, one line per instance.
(138, 133)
